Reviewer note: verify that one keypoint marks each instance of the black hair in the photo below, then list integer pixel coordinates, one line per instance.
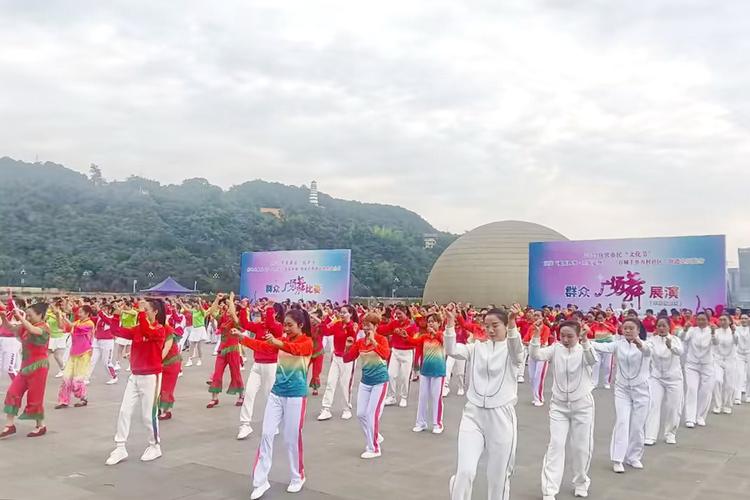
(575, 325)
(649, 311)
(352, 311)
(40, 308)
(302, 318)
(404, 309)
(158, 305)
(279, 311)
(500, 313)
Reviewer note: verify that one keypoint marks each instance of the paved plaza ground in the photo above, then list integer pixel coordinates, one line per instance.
(203, 460)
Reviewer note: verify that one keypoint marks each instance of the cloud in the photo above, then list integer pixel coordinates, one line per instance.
(598, 119)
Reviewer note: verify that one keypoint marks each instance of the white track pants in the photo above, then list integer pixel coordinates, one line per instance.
(141, 395)
(261, 379)
(574, 419)
(699, 384)
(666, 399)
(492, 430)
(726, 383)
(289, 415)
(339, 374)
(430, 395)
(370, 401)
(104, 351)
(604, 365)
(537, 374)
(10, 355)
(399, 370)
(631, 411)
(455, 367)
(743, 376)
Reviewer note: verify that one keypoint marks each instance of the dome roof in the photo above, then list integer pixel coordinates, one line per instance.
(488, 265)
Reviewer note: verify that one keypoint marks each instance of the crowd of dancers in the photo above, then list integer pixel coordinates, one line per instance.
(667, 369)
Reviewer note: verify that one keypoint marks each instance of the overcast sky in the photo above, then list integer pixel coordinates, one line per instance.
(598, 118)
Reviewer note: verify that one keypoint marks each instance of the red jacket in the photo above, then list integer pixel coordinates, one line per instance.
(340, 331)
(269, 325)
(148, 342)
(397, 341)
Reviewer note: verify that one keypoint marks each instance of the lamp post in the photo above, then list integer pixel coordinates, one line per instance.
(396, 281)
(86, 275)
(23, 278)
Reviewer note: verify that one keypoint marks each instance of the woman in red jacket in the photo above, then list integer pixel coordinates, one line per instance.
(142, 390)
(340, 373)
(402, 355)
(171, 366)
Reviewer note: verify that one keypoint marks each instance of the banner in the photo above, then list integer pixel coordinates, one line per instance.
(318, 275)
(645, 273)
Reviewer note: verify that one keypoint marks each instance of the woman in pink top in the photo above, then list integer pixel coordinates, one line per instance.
(77, 368)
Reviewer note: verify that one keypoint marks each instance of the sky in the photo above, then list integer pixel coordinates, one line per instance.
(599, 119)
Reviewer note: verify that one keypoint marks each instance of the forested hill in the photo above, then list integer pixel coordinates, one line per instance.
(71, 231)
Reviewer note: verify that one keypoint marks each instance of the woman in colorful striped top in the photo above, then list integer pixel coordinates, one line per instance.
(171, 366)
(77, 368)
(288, 399)
(374, 351)
(432, 374)
(32, 379)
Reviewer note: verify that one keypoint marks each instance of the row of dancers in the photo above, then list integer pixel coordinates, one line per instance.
(491, 346)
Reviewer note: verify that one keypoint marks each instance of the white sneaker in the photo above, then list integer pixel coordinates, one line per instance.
(690, 425)
(295, 486)
(636, 464)
(618, 467)
(520, 379)
(649, 442)
(581, 492)
(460, 391)
(390, 401)
(198, 363)
(260, 491)
(59, 374)
(607, 386)
(747, 399)
(716, 411)
(180, 375)
(245, 431)
(87, 382)
(118, 455)
(446, 391)
(403, 403)
(737, 402)
(727, 411)
(370, 454)
(112, 381)
(548, 497)
(189, 363)
(117, 367)
(380, 439)
(437, 430)
(325, 414)
(346, 415)
(701, 422)
(152, 453)
(538, 404)
(670, 439)
(419, 428)
(450, 485)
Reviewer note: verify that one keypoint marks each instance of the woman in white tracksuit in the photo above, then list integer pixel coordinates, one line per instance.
(489, 418)
(632, 357)
(743, 360)
(725, 358)
(698, 343)
(666, 384)
(571, 410)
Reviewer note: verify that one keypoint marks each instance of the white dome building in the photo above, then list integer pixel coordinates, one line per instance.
(488, 265)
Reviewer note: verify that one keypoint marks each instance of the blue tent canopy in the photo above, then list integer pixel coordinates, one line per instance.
(168, 287)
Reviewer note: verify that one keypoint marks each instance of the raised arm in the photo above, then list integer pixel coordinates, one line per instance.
(453, 349)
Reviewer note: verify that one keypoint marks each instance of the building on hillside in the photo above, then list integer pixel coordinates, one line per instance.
(276, 212)
(488, 265)
(430, 240)
(314, 193)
